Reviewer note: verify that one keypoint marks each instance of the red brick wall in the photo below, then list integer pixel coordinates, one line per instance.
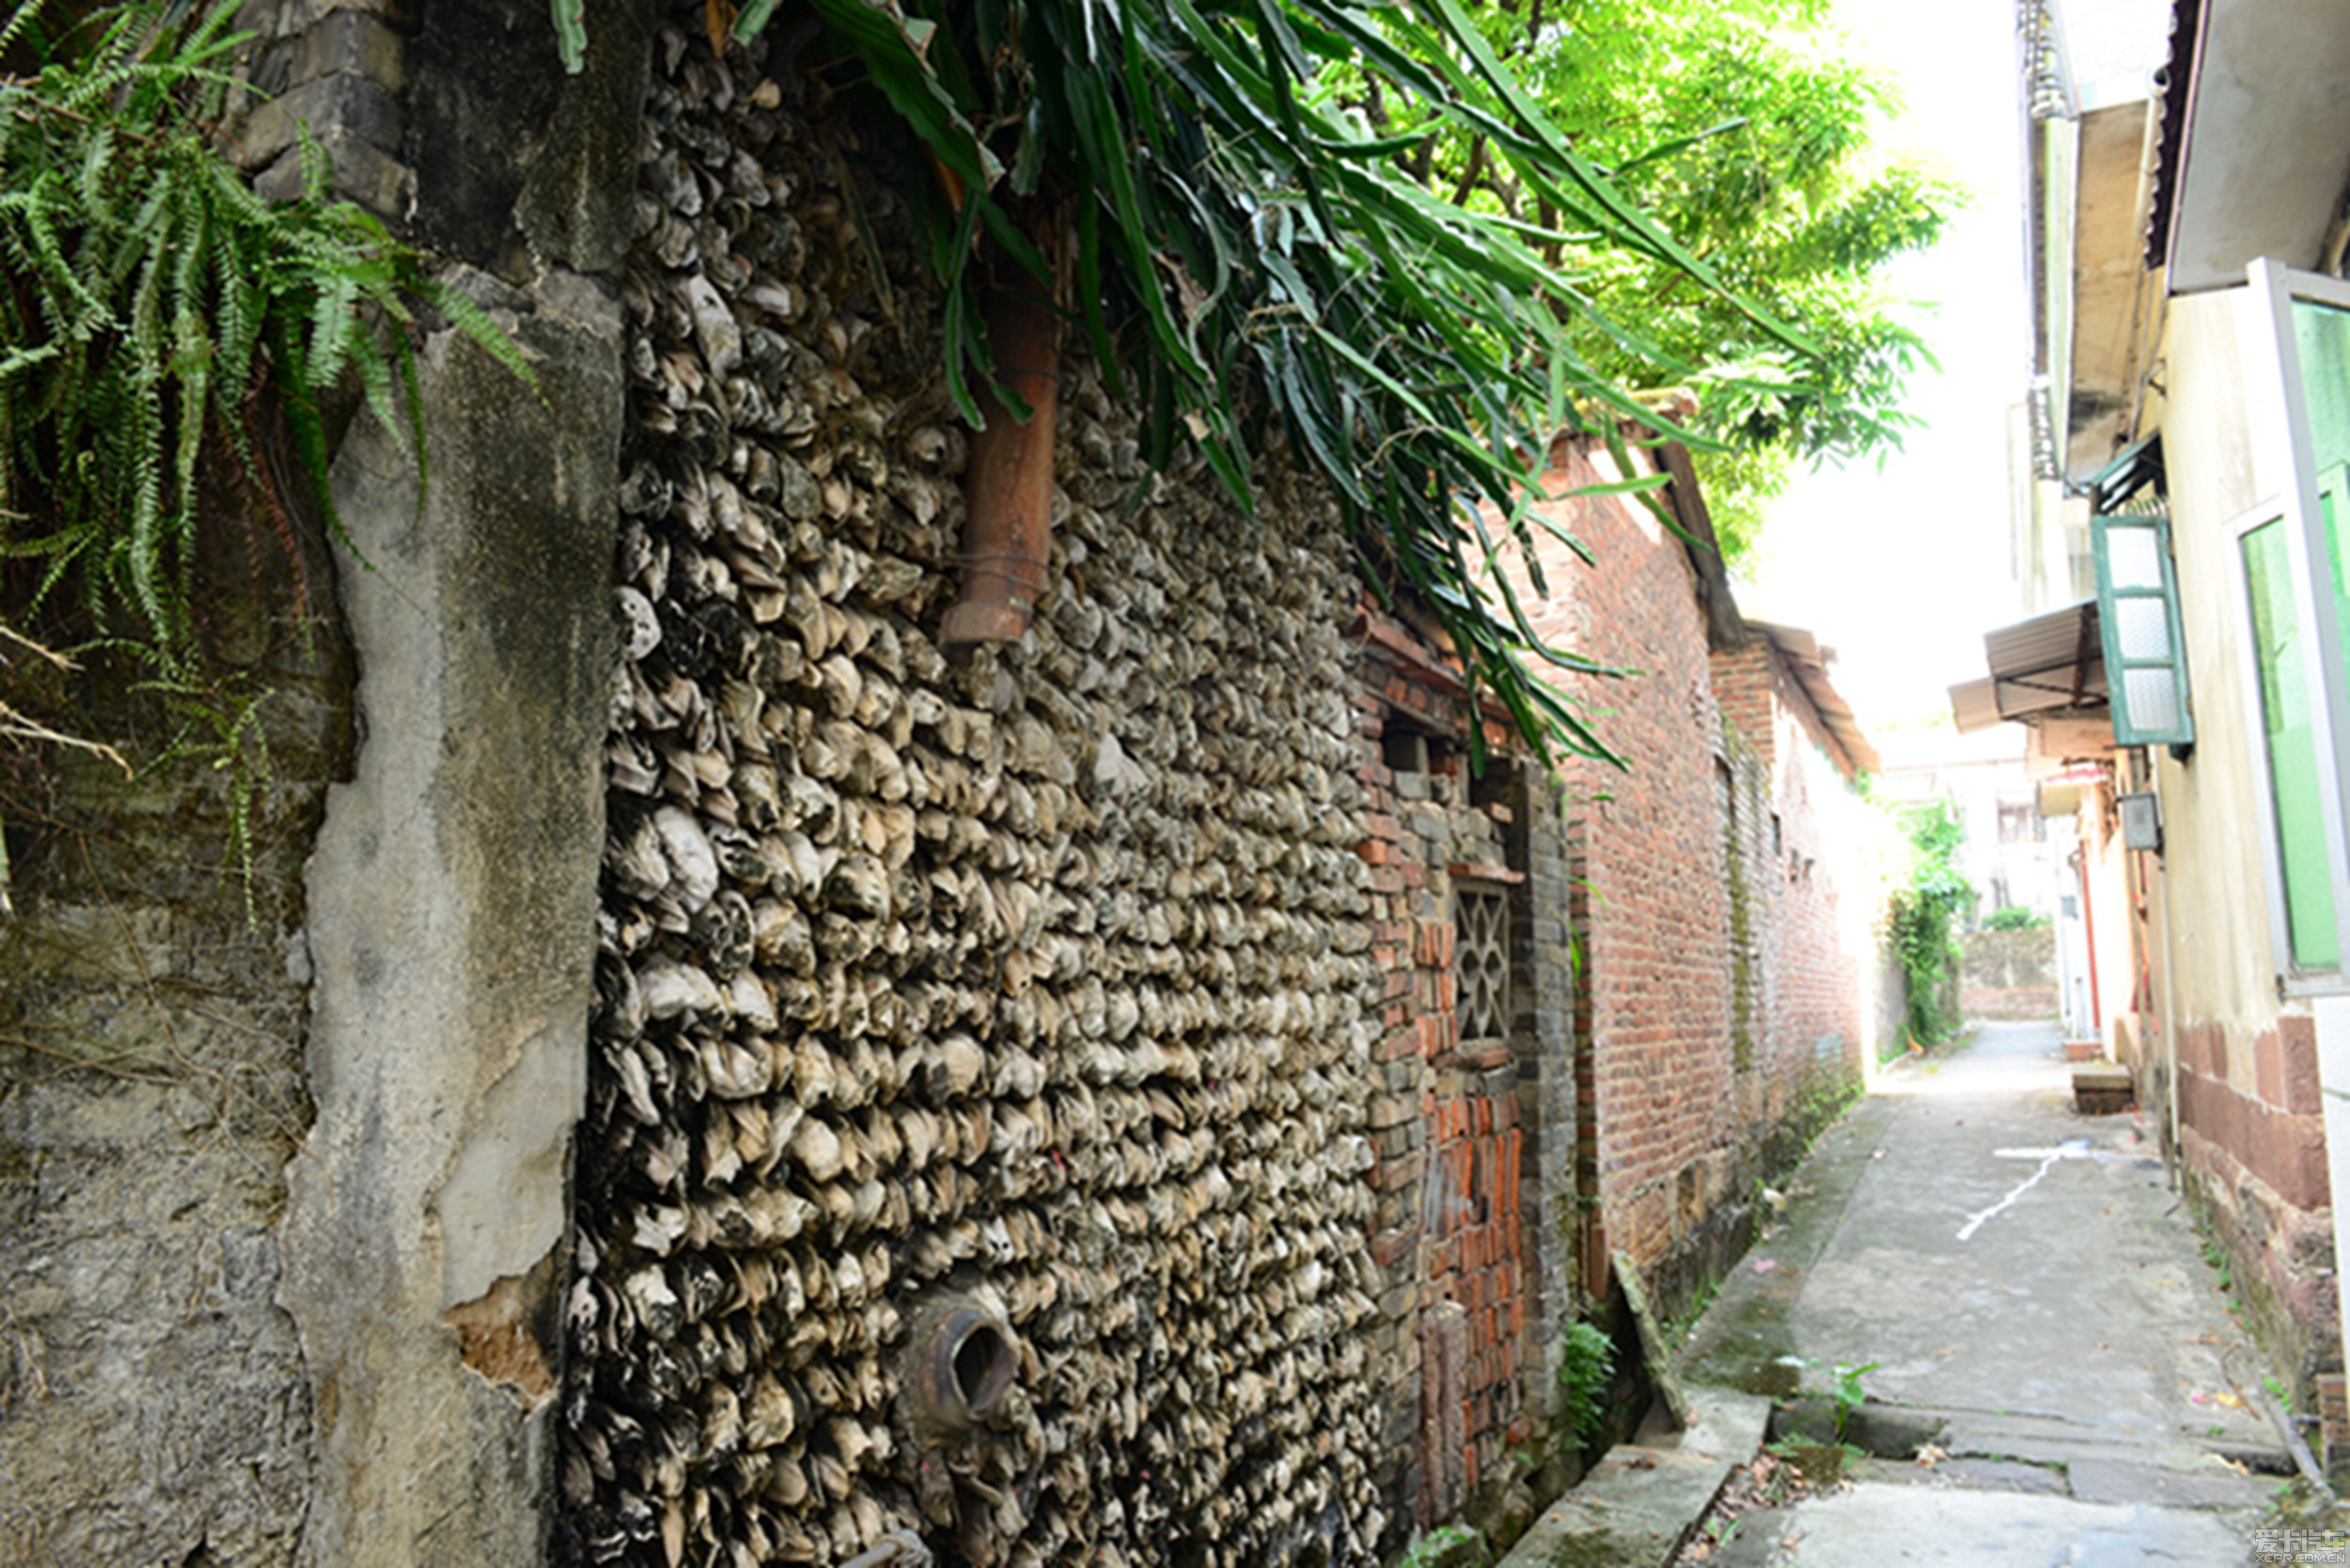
(1809, 859)
(1746, 684)
(1653, 903)
(1721, 993)
(1462, 1316)
(2254, 1148)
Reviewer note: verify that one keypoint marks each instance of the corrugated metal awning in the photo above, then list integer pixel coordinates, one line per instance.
(2051, 664)
(1974, 705)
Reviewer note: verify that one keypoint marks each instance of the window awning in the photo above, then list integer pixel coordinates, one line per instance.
(2050, 666)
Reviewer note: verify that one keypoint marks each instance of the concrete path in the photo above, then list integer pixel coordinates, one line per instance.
(2037, 1308)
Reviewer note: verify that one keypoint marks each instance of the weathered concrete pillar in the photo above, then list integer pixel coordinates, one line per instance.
(453, 889)
(453, 907)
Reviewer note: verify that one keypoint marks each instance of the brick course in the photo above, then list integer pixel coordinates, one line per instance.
(1720, 995)
(1474, 1295)
(2253, 1145)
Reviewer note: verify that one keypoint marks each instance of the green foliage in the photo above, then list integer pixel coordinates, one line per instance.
(1921, 926)
(1586, 1365)
(1208, 191)
(2216, 1259)
(2014, 917)
(1741, 482)
(1446, 1544)
(153, 300)
(1847, 1394)
(1744, 129)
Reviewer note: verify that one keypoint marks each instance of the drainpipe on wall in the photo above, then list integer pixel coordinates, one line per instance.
(1009, 487)
(2089, 926)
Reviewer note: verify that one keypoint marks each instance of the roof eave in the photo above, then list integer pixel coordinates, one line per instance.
(2256, 163)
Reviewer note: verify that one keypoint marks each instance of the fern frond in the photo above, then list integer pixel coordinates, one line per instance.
(238, 322)
(93, 89)
(411, 389)
(47, 251)
(232, 197)
(471, 320)
(190, 370)
(375, 381)
(317, 169)
(141, 554)
(303, 427)
(17, 360)
(97, 165)
(151, 298)
(333, 322)
(15, 26)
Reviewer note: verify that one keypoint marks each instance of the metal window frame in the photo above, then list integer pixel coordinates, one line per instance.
(2126, 729)
(2275, 288)
(2295, 980)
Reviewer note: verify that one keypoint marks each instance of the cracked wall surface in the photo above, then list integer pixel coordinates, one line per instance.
(452, 886)
(153, 1406)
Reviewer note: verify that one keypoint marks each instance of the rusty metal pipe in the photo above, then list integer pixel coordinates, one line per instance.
(1008, 488)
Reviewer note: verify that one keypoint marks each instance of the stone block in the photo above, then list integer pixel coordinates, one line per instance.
(2101, 1088)
(364, 173)
(351, 42)
(340, 108)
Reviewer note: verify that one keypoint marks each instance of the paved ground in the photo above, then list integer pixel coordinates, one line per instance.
(2037, 1308)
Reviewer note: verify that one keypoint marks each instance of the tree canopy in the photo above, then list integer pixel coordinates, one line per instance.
(1743, 126)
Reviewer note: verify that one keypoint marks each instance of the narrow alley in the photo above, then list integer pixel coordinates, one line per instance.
(2048, 1366)
(1310, 784)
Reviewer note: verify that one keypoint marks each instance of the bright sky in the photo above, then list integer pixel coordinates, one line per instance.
(1902, 570)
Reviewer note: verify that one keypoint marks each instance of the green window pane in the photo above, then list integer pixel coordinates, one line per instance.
(2322, 333)
(2287, 717)
(2331, 486)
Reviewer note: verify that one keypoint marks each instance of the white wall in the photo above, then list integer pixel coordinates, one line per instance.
(2222, 964)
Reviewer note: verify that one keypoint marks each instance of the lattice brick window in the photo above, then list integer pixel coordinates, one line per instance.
(1482, 961)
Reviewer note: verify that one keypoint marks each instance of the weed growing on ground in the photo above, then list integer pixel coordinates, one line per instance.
(1845, 1393)
(1848, 1394)
(1439, 1546)
(2217, 1259)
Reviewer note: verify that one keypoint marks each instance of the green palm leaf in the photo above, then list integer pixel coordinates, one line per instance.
(1242, 242)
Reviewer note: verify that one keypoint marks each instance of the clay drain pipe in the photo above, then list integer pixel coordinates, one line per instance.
(960, 1360)
(1009, 487)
